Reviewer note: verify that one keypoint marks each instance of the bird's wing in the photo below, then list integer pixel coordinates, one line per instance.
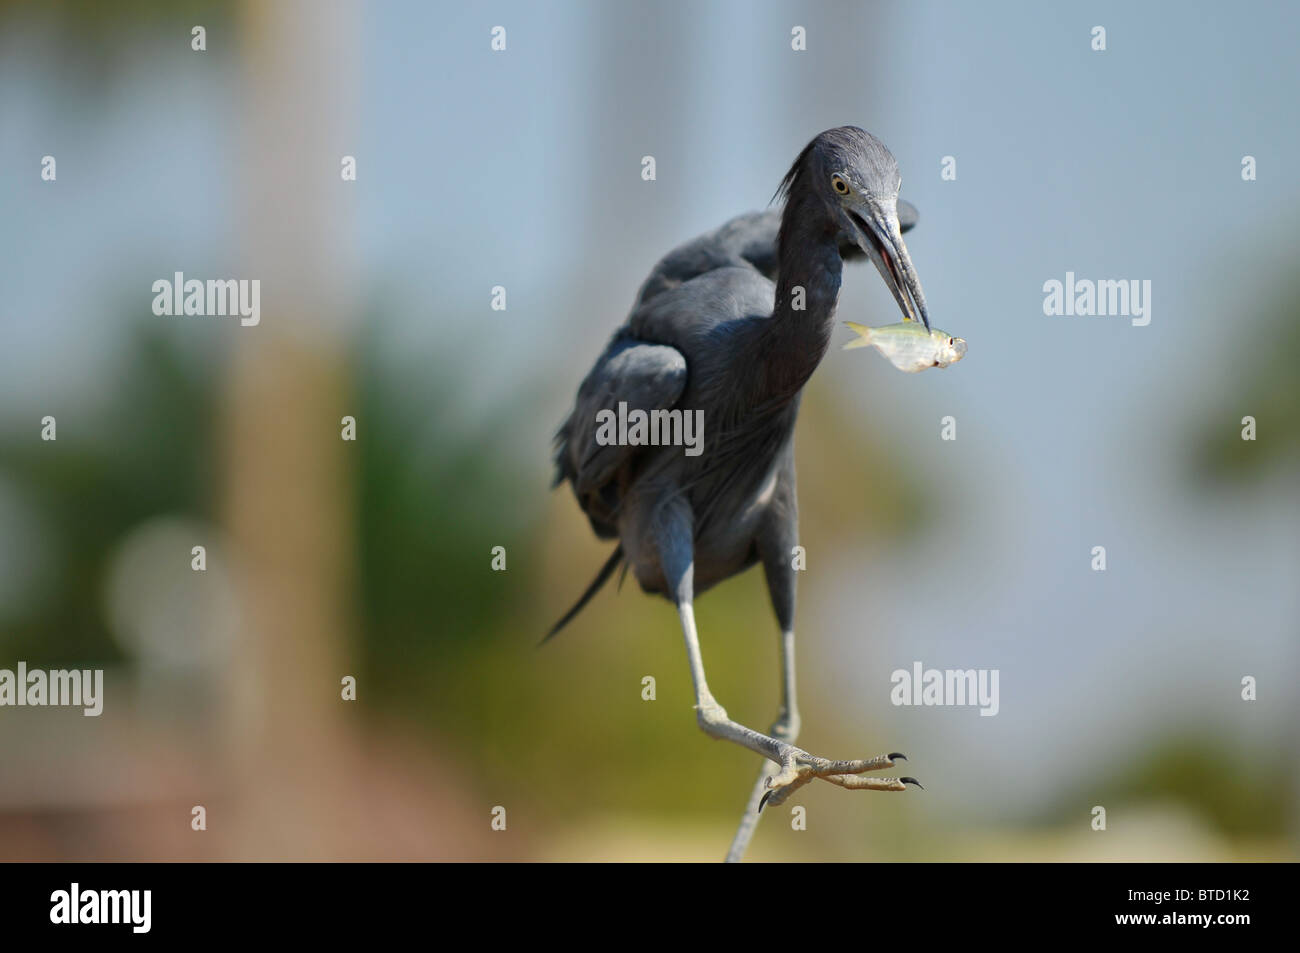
(644, 377)
(747, 240)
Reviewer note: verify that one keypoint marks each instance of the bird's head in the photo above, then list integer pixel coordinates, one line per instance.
(856, 179)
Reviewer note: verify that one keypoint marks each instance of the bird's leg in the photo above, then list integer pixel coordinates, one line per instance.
(797, 766)
(785, 728)
(775, 544)
(787, 724)
(711, 716)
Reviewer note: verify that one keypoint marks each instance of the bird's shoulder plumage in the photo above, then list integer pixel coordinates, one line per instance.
(692, 315)
(746, 241)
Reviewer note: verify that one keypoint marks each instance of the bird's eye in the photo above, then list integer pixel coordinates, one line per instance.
(839, 185)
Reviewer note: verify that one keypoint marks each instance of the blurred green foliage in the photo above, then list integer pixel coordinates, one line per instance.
(1239, 788)
(1263, 365)
(147, 449)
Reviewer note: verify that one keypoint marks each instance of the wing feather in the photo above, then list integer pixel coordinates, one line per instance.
(644, 377)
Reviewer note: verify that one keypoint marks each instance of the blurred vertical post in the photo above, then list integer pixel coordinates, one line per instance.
(287, 473)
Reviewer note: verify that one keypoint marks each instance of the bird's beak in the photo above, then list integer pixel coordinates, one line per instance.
(880, 237)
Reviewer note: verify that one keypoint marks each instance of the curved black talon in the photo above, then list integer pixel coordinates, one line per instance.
(764, 800)
(912, 781)
(897, 756)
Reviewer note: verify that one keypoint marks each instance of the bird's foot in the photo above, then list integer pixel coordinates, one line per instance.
(798, 767)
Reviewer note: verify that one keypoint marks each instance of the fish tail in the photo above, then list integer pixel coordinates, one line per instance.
(864, 340)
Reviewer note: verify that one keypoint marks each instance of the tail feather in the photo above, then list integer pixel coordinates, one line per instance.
(606, 571)
(863, 341)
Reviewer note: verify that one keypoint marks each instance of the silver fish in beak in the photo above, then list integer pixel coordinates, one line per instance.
(909, 346)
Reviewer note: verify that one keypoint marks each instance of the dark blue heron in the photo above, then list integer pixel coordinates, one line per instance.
(733, 324)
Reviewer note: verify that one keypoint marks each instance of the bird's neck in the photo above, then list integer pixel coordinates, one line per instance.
(807, 291)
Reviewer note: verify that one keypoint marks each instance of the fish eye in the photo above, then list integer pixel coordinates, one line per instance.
(839, 185)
